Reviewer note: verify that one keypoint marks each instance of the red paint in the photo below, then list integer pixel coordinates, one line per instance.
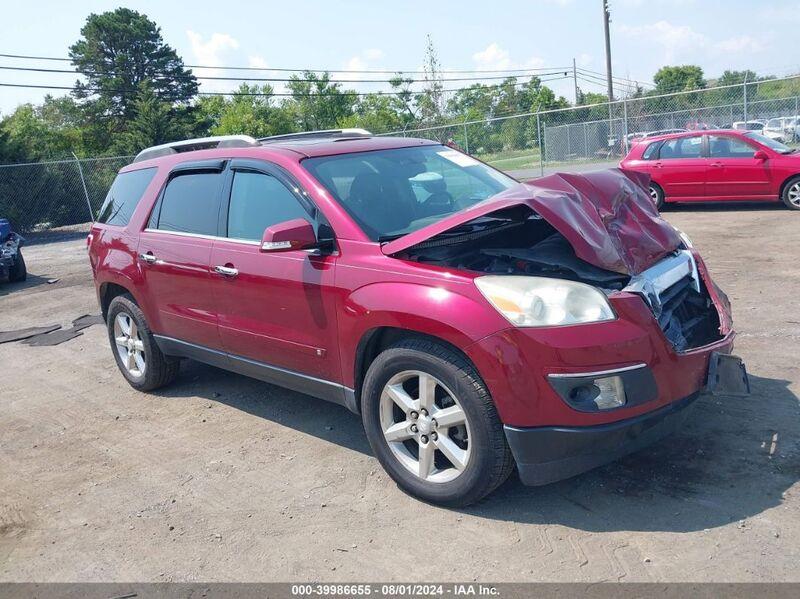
(308, 313)
(706, 178)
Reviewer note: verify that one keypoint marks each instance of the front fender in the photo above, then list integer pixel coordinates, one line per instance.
(456, 317)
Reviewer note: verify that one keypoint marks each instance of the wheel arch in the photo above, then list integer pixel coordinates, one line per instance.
(108, 290)
(376, 340)
(786, 182)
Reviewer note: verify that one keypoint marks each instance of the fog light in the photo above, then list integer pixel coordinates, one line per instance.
(612, 393)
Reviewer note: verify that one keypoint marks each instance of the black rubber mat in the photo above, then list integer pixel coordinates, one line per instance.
(20, 334)
(86, 321)
(53, 338)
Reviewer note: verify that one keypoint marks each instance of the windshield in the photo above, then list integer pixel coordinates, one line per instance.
(772, 144)
(390, 193)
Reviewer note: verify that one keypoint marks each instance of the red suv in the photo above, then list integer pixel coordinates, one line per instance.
(702, 166)
(472, 321)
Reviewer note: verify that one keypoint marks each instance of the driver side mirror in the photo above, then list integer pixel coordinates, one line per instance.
(296, 234)
(760, 155)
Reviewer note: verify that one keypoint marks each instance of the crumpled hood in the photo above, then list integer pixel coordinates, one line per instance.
(607, 216)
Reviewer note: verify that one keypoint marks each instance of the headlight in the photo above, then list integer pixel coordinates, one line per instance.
(542, 302)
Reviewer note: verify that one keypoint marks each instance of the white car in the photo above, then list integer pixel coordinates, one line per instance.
(783, 129)
(757, 126)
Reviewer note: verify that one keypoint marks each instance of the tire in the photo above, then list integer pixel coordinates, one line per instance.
(18, 272)
(488, 460)
(657, 195)
(154, 370)
(791, 194)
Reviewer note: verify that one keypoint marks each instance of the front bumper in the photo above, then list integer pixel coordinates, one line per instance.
(551, 453)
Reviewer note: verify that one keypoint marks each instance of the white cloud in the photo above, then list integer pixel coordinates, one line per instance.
(364, 61)
(742, 43)
(257, 62)
(676, 41)
(373, 54)
(496, 58)
(210, 53)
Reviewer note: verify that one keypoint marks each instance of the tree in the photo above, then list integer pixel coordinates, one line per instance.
(430, 102)
(678, 79)
(153, 123)
(249, 111)
(120, 50)
(317, 103)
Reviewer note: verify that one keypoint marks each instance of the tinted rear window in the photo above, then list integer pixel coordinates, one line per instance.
(124, 195)
(652, 151)
(190, 204)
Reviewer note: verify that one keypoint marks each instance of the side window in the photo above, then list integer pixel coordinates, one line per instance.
(651, 152)
(258, 201)
(124, 195)
(190, 204)
(682, 147)
(722, 146)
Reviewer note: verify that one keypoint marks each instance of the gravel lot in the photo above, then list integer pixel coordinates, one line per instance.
(222, 478)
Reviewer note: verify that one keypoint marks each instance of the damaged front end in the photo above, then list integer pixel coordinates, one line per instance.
(12, 264)
(600, 229)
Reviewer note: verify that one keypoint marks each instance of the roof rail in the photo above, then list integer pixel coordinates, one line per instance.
(324, 134)
(200, 143)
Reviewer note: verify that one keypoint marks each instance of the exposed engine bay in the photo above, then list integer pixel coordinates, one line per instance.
(513, 241)
(516, 241)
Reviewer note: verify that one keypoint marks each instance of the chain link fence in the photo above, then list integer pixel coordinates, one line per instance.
(43, 196)
(603, 133)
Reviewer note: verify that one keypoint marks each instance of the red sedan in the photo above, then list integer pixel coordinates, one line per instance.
(718, 165)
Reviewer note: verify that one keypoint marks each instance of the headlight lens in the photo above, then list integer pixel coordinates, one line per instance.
(543, 302)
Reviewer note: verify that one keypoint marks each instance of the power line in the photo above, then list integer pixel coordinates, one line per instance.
(211, 78)
(234, 92)
(287, 70)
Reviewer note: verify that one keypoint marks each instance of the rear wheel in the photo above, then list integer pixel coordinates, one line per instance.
(657, 195)
(138, 357)
(432, 424)
(791, 194)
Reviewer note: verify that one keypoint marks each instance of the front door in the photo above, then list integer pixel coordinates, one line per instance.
(174, 252)
(732, 172)
(276, 309)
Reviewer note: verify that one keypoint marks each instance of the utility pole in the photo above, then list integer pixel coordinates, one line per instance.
(575, 80)
(606, 19)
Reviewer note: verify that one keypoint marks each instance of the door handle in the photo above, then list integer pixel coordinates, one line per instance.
(716, 164)
(657, 165)
(148, 257)
(226, 271)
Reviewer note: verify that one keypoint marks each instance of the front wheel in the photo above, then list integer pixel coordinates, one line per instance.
(432, 424)
(791, 194)
(657, 195)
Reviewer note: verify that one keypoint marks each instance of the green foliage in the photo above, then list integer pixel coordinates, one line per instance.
(316, 103)
(119, 51)
(678, 79)
(152, 123)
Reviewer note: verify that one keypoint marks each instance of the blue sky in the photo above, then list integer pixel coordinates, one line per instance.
(354, 34)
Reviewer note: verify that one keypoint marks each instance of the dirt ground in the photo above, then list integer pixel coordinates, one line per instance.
(222, 478)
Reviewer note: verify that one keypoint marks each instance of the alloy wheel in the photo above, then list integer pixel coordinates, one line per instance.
(425, 426)
(654, 195)
(130, 346)
(794, 194)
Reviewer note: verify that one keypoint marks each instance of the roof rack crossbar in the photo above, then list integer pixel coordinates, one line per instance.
(200, 143)
(323, 134)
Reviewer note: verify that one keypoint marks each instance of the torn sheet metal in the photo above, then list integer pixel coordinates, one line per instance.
(607, 216)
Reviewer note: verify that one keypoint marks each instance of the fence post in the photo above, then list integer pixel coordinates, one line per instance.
(625, 124)
(466, 139)
(745, 99)
(585, 141)
(541, 145)
(85, 191)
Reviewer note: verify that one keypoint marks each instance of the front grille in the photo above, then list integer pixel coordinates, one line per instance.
(687, 317)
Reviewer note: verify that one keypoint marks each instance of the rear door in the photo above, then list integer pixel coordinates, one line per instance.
(277, 308)
(732, 172)
(680, 168)
(174, 251)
